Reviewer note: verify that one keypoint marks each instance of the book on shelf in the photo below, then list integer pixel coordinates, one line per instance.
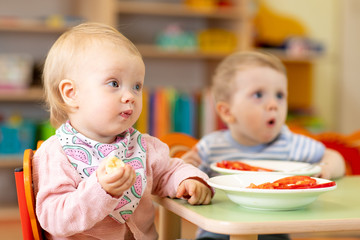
(168, 110)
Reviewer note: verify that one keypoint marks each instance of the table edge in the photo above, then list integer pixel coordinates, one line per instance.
(265, 227)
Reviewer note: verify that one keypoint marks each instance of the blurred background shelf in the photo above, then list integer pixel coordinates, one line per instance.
(176, 9)
(33, 94)
(153, 51)
(10, 161)
(30, 28)
(288, 58)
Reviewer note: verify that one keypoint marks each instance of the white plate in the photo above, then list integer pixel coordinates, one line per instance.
(279, 167)
(266, 199)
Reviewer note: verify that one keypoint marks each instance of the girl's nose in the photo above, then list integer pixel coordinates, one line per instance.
(127, 97)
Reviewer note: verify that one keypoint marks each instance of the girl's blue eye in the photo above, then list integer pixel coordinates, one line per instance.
(137, 87)
(258, 94)
(114, 84)
(280, 95)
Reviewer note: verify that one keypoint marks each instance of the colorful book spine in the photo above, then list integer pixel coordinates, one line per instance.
(168, 110)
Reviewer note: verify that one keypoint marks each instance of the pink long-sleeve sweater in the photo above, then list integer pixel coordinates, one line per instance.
(69, 207)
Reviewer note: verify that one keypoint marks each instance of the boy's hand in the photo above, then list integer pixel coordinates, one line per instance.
(118, 181)
(194, 191)
(332, 165)
(192, 157)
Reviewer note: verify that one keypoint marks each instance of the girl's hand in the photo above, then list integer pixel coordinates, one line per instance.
(194, 191)
(118, 181)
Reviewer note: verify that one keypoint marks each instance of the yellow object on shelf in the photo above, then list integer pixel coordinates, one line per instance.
(55, 21)
(217, 41)
(273, 28)
(201, 4)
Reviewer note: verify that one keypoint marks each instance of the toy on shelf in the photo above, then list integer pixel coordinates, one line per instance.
(217, 41)
(300, 46)
(45, 130)
(16, 135)
(15, 70)
(208, 5)
(201, 4)
(286, 26)
(58, 20)
(174, 38)
(225, 3)
(290, 35)
(53, 21)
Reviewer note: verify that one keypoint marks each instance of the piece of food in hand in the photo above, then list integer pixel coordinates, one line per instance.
(113, 163)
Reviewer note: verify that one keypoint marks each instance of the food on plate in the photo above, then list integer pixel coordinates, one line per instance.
(293, 182)
(238, 165)
(113, 163)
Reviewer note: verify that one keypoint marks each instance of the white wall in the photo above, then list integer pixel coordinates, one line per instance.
(349, 105)
(321, 19)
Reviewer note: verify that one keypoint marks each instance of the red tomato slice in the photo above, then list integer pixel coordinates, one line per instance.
(238, 165)
(322, 185)
(293, 182)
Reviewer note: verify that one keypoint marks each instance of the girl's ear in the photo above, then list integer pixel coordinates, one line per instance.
(68, 92)
(223, 109)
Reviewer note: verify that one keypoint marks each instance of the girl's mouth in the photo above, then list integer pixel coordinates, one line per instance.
(126, 114)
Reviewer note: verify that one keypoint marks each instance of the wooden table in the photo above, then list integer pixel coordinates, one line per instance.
(337, 210)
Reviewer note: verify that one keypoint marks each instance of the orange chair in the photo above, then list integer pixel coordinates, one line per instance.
(179, 143)
(23, 178)
(347, 145)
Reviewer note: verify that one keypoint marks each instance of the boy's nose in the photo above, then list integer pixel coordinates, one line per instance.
(272, 104)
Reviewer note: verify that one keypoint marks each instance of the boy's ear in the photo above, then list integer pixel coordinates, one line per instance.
(223, 109)
(68, 92)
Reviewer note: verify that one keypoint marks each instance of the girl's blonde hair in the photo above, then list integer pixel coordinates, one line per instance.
(225, 73)
(69, 49)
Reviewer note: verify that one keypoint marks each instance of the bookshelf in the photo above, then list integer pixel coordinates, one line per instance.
(196, 65)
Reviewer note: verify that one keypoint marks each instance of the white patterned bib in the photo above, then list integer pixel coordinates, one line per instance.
(85, 155)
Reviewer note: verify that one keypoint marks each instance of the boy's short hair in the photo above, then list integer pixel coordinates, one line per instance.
(225, 73)
(69, 49)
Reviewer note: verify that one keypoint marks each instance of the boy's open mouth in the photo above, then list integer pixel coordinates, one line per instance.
(271, 122)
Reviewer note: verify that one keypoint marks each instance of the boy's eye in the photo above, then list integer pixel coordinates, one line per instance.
(114, 84)
(280, 95)
(258, 94)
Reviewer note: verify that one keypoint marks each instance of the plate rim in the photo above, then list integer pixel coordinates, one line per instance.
(276, 191)
(315, 169)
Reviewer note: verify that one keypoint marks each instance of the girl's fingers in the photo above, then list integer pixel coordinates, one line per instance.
(181, 190)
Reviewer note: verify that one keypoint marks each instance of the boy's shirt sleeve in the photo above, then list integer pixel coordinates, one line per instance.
(305, 149)
(204, 153)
